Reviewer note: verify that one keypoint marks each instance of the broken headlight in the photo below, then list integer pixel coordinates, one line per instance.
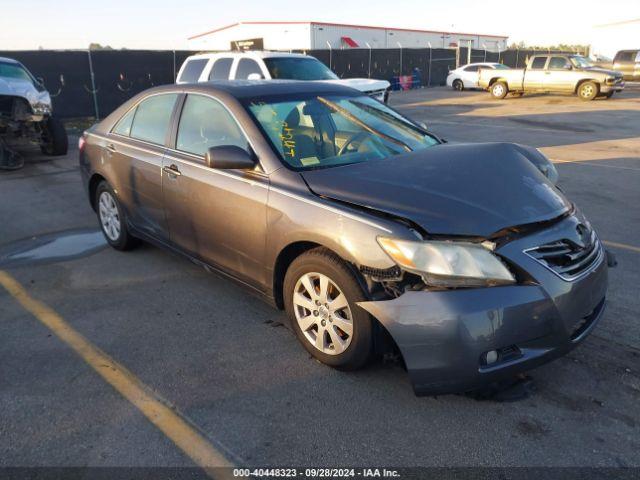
(448, 264)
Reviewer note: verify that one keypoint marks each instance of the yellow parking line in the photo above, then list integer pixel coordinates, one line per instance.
(623, 246)
(175, 427)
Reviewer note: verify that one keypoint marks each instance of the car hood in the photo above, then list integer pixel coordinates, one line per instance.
(465, 189)
(24, 89)
(362, 84)
(611, 73)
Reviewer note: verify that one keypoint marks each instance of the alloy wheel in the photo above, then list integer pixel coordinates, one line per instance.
(323, 314)
(109, 216)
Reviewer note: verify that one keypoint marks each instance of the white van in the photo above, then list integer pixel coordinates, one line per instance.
(255, 65)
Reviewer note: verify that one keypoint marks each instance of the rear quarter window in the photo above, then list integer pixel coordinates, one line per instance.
(123, 127)
(192, 70)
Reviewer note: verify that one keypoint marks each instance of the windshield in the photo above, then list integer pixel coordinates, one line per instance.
(16, 71)
(298, 68)
(580, 61)
(333, 130)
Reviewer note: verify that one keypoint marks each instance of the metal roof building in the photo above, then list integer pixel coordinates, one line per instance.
(322, 35)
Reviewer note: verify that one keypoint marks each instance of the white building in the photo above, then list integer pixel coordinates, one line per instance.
(607, 39)
(319, 35)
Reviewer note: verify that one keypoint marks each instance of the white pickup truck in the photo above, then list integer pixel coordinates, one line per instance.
(256, 65)
(553, 73)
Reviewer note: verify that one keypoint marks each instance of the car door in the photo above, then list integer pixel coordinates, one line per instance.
(470, 76)
(534, 76)
(560, 75)
(136, 147)
(218, 216)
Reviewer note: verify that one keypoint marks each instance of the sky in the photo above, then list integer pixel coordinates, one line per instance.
(158, 24)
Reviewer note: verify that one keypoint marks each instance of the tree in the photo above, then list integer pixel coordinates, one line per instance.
(97, 46)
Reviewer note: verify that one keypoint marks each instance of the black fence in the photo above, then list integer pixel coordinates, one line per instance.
(117, 76)
(88, 84)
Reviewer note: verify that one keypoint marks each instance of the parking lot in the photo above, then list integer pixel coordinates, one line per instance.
(233, 374)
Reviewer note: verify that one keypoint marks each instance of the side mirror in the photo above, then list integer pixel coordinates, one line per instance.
(40, 81)
(229, 157)
(255, 76)
(423, 126)
(567, 66)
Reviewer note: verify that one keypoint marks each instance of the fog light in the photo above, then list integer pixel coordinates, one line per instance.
(491, 357)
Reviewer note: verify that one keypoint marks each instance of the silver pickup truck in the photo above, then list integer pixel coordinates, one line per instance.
(553, 73)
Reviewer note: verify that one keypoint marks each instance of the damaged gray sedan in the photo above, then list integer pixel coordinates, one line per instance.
(374, 235)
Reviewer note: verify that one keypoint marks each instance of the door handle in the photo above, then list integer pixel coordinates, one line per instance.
(111, 148)
(172, 170)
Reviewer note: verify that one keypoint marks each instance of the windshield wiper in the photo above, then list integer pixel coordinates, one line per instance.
(346, 113)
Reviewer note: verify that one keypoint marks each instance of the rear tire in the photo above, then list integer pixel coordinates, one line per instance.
(499, 90)
(346, 333)
(54, 138)
(112, 219)
(458, 85)
(588, 91)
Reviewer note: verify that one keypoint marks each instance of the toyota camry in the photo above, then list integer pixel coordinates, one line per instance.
(374, 235)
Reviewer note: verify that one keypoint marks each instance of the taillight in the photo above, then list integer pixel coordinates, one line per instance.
(81, 143)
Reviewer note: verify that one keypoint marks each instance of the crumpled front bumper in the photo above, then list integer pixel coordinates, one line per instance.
(444, 335)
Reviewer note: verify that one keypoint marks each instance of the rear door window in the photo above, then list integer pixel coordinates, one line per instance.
(246, 67)
(192, 70)
(538, 63)
(221, 69)
(152, 118)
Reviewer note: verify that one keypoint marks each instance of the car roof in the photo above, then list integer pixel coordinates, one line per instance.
(9, 60)
(257, 88)
(248, 53)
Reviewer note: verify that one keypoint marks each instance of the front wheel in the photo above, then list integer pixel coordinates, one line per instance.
(112, 219)
(588, 91)
(320, 296)
(499, 90)
(54, 137)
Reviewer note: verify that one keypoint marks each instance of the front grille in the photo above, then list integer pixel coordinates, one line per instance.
(568, 259)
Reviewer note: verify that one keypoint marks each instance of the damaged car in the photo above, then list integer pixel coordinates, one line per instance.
(374, 235)
(26, 114)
